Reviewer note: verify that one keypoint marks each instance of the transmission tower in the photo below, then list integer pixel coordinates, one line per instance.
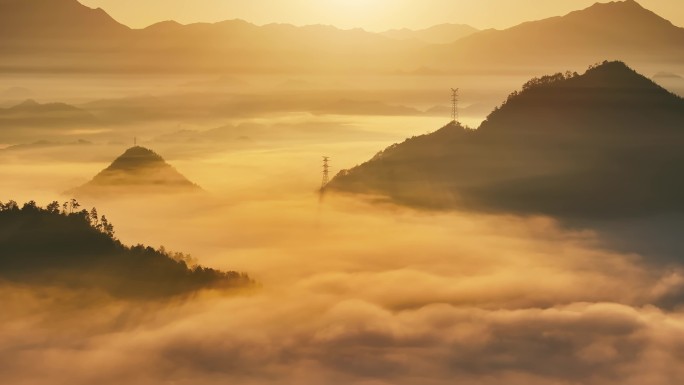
(454, 104)
(326, 171)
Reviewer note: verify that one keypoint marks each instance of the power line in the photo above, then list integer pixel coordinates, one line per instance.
(454, 104)
(326, 172)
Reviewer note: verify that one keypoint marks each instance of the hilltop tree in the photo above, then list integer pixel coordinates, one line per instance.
(53, 207)
(30, 205)
(9, 206)
(94, 219)
(74, 205)
(106, 227)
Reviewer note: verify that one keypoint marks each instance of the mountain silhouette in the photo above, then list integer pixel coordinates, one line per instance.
(438, 34)
(138, 170)
(65, 36)
(36, 19)
(580, 37)
(30, 113)
(30, 119)
(61, 246)
(604, 144)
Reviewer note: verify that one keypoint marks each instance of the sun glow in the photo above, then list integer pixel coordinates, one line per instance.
(374, 15)
(355, 4)
(360, 10)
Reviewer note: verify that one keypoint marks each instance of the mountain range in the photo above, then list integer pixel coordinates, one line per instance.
(603, 144)
(580, 37)
(65, 36)
(30, 113)
(30, 119)
(438, 34)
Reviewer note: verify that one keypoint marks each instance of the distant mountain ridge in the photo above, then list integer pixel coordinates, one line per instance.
(603, 144)
(617, 29)
(22, 20)
(30, 119)
(69, 37)
(30, 112)
(137, 171)
(54, 35)
(438, 34)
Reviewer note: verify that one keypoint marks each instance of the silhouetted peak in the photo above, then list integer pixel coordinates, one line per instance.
(32, 106)
(236, 24)
(622, 11)
(622, 4)
(137, 157)
(609, 74)
(139, 151)
(453, 125)
(137, 170)
(615, 65)
(167, 25)
(616, 74)
(613, 6)
(613, 70)
(610, 91)
(37, 17)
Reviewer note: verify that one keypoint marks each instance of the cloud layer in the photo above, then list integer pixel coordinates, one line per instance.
(358, 294)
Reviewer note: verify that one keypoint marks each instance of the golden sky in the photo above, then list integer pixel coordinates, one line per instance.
(373, 15)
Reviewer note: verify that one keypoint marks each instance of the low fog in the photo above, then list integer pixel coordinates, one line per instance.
(337, 289)
(352, 291)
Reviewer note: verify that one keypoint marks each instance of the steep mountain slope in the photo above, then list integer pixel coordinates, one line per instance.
(57, 35)
(137, 171)
(54, 19)
(584, 36)
(603, 144)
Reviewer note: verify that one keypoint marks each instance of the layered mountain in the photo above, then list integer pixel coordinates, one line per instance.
(137, 171)
(65, 36)
(57, 35)
(438, 34)
(33, 114)
(30, 120)
(54, 19)
(606, 143)
(617, 29)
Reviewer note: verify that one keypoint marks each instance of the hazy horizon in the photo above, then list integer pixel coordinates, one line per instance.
(374, 15)
(270, 205)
